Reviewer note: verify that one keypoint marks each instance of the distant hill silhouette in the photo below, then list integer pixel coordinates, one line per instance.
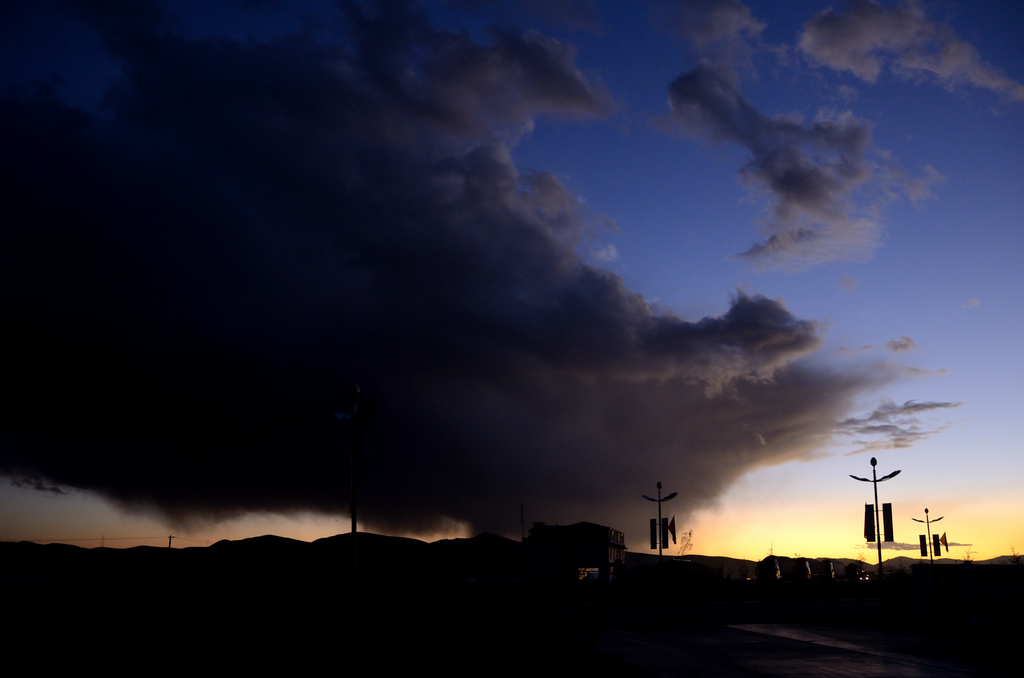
(483, 557)
(457, 604)
(486, 556)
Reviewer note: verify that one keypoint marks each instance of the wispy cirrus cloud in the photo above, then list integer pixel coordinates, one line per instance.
(723, 32)
(892, 426)
(809, 172)
(867, 37)
(900, 345)
(902, 546)
(896, 546)
(605, 254)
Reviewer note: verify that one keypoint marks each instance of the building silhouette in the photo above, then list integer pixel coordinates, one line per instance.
(578, 552)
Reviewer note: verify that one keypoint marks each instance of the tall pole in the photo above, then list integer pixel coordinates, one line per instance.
(658, 531)
(928, 528)
(354, 390)
(878, 522)
(352, 466)
(351, 418)
(522, 523)
(931, 556)
(931, 563)
(661, 537)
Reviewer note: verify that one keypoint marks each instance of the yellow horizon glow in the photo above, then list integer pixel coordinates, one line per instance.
(763, 512)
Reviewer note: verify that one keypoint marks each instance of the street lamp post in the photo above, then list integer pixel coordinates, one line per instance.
(928, 526)
(660, 530)
(878, 525)
(931, 557)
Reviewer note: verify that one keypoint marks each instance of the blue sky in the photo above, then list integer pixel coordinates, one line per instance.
(944, 271)
(912, 117)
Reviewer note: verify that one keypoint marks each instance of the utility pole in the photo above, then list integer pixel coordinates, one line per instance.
(169, 538)
(351, 418)
(522, 523)
(352, 468)
(876, 526)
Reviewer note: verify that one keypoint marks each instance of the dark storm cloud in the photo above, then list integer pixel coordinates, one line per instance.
(893, 426)
(36, 484)
(867, 36)
(193, 275)
(461, 86)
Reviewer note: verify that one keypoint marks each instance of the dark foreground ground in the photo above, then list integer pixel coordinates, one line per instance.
(808, 647)
(505, 629)
(243, 611)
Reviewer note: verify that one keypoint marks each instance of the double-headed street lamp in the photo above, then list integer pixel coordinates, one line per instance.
(873, 528)
(660, 530)
(928, 546)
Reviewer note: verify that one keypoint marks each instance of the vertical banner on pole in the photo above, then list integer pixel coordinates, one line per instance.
(664, 532)
(654, 533)
(887, 521)
(937, 545)
(869, 522)
(924, 546)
